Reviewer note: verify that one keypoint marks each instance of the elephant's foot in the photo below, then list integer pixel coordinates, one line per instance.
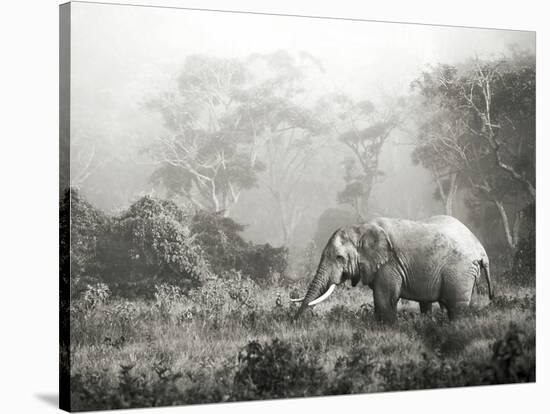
(386, 317)
(385, 311)
(425, 307)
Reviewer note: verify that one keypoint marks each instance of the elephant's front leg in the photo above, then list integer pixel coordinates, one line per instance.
(425, 307)
(386, 289)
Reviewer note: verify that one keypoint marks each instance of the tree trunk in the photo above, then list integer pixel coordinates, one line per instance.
(449, 200)
(510, 239)
(517, 226)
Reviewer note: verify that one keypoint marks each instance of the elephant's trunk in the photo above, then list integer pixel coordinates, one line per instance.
(318, 286)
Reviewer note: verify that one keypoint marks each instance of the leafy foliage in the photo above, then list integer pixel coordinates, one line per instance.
(363, 129)
(149, 243)
(277, 370)
(225, 249)
(87, 225)
(220, 117)
(203, 157)
(478, 134)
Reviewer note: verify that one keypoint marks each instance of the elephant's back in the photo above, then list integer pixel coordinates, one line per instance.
(435, 238)
(461, 236)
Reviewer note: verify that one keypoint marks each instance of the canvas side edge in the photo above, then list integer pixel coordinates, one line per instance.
(64, 204)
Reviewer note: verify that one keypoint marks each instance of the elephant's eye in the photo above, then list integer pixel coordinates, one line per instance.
(341, 258)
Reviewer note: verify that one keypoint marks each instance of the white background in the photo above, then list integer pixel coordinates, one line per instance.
(29, 218)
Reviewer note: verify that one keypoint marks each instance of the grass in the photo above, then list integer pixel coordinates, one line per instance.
(216, 345)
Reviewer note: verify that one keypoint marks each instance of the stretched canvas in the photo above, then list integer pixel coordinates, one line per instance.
(258, 206)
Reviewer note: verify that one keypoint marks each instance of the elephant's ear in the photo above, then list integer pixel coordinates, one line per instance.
(375, 247)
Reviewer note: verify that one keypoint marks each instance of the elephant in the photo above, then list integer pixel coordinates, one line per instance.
(436, 260)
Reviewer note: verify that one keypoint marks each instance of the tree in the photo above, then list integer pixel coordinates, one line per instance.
(490, 106)
(205, 157)
(363, 129)
(151, 243)
(278, 111)
(225, 249)
(88, 156)
(230, 121)
(443, 144)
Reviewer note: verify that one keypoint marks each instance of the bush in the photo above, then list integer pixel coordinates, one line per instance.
(526, 302)
(225, 249)
(220, 239)
(94, 391)
(166, 298)
(277, 370)
(429, 373)
(148, 244)
(95, 295)
(514, 357)
(87, 226)
(354, 372)
(262, 262)
(220, 296)
(513, 361)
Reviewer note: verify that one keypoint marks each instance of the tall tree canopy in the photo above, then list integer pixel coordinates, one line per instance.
(481, 133)
(363, 129)
(233, 122)
(205, 156)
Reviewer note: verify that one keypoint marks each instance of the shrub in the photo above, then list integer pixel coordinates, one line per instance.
(222, 295)
(354, 372)
(95, 295)
(342, 313)
(220, 239)
(428, 373)
(513, 361)
(225, 249)
(514, 357)
(87, 225)
(446, 338)
(94, 391)
(526, 302)
(263, 261)
(166, 297)
(277, 370)
(150, 243)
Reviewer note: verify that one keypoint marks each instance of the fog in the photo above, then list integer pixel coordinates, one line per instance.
(122, 57)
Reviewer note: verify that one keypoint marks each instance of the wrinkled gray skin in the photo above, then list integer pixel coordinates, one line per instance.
(437, 260)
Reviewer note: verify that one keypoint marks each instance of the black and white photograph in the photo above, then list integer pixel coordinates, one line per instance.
(256, 206)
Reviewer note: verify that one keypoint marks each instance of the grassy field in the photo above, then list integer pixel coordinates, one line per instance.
(232, 340)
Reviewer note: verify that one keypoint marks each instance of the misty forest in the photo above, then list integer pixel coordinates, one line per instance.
(204, 191)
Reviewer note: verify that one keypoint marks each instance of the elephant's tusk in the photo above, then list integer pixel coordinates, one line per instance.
(323, 297)
(297, 299)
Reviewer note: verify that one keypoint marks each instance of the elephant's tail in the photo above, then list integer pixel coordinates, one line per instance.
(484, 264)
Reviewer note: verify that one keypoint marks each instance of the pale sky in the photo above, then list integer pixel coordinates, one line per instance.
(116, 45)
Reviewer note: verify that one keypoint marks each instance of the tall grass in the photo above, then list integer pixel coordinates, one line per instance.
(234, 341)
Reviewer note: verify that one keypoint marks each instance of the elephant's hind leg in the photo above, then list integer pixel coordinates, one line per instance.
(457, 288)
